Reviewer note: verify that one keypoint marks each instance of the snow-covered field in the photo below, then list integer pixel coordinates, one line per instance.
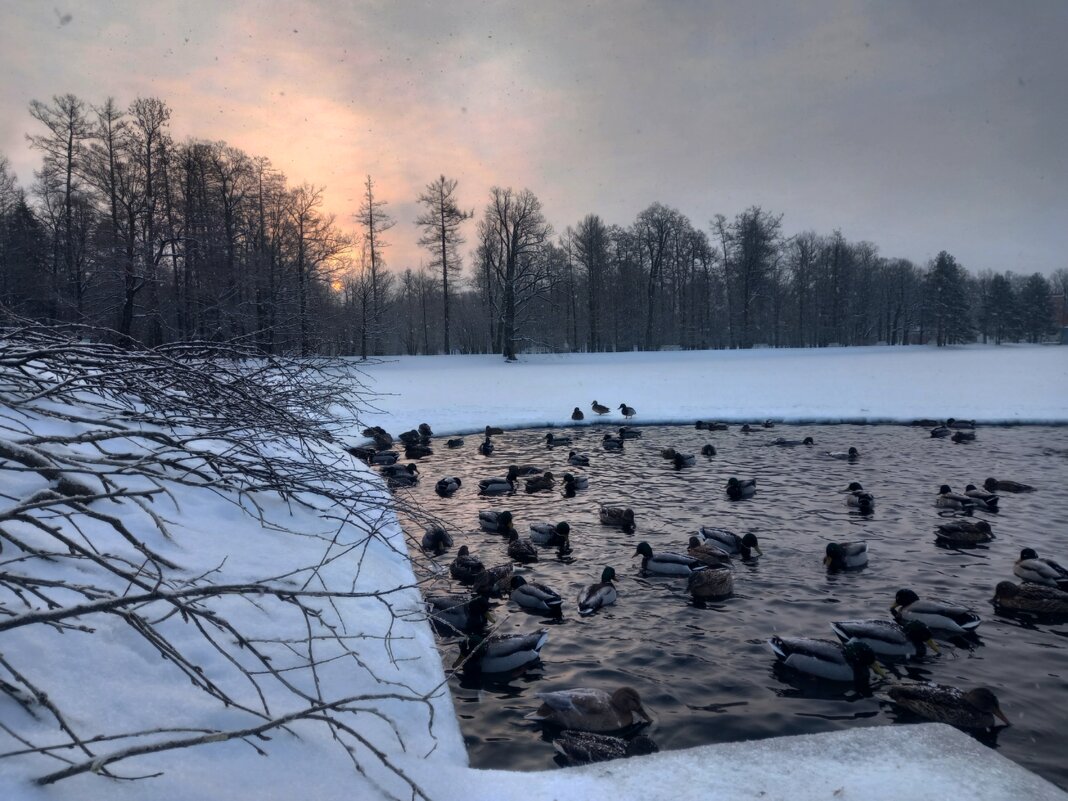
(113, 678)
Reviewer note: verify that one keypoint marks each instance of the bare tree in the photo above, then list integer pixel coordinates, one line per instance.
(441, 236)
(374, 221)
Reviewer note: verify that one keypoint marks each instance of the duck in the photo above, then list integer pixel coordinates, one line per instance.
(586, 709)
(578, 459)
(964, 532)
(502, 653)
(549, 535)
(938, 615)
(539, 483)
(710, 584)
(617, 516)
(554, 441)
(536, 597)
(708, 450)
(494, 521)
(668, 453)
(846, 555)
(577, 414)
(1031, 567)
(712, 555)
(703, 425)
(940, 432)
(626, 432)
(383, 441)
(736, 490)
(682, 460)
(610, 443)
(987, 501)
(974, 709)
(410, 437)
(1028, 597)
(385, 458)
(573, 483)
(404, 470)
(526, 470)
(730, 542)
(595, 596)
(627, 411)
(494, 580)
(963, 436)
(667, 564)
(859, 498)
(583, 748)
(994, 485)
(466, 567)
(404, 476)
(485, 447)
(521, 550)
(370, 432)
(493, 431)
(424, 431)
(455, 442)
(436, 540)
(888, 638)
(458, 614)
(782, 442)
(366, 455)
(958, 425)
(599, 408)
(497, 485)
(851, 455)
(447, 486)
(769, 424)
(827, 659)
(746, 429)
(948, 499)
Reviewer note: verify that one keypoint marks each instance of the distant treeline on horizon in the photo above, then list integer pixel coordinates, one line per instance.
(123, 228)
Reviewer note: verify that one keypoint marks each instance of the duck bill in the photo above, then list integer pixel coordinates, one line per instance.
(645, 715)
(826, 561)
(880, 671)
(1001, 715)
(490, 617)
(758, 551)
(933, 646)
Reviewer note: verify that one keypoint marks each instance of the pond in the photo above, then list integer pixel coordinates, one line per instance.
(706, 675)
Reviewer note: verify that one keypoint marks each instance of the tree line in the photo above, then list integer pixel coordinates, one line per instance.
(126, 229)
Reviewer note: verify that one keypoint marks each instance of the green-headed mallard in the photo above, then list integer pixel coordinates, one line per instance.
(466, 567)
(498, 486)
(536, 597)
(730, 542)
(494, 521)
(594, 596)
(577, 414)
(599, 408)
(582, 748)
(974, 709)
(627, 411)
(708, 552)
(458, 614)
(948, 499)
(938, 615)
(710, 584)
(860, 499)
(521, 550)
(552, 535)
(573, 483)
(447, 486)
(986, 500)
(486, 446)
(540, 483)
(886, 637)
(553, 441)
(737, 490)
(667, 564)
(708, 450)
(1031, 567)
(964, 532)
(436, 540)
(851, 455)
(994, 485)
(1027, 597)
(827, 659)
(578, 459)
(502, 653)
(681, 460)
(587, 709)
(845, 555)
(617, 516)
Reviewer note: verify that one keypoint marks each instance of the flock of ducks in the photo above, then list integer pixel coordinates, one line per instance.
(587, 714)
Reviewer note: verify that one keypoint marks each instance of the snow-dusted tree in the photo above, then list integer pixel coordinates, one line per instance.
(441, 222)
(374, 221)
(1036, 317)
(591, 250)
(948, 309)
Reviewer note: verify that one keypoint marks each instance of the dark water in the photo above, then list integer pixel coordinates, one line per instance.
(706, 674)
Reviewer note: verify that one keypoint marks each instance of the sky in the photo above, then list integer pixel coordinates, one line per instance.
(919, 126)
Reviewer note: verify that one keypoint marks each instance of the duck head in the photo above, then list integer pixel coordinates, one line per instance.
(808, 441)
(834, 556)
(919, 635)
(944, 489)
(749, 543)
(985, 701)
(626, 699)
(861, 657)
(903, 598)
(854, 487)
(991, 484)
(645, 551)
(1028, 553)
(516, 583)
(608, 575)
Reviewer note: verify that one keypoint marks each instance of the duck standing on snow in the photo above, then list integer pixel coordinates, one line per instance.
(577, 414)
(595, 710)
(1031, 567)
(536, 597)
(583, 748)
(502, 653)
(617, 516)
(627, 411)
(447, 486)
(436, 540)
(827, 659)
(599, 408)
(965, 532)
(595, 596)
(731, 542)
(941, 703)
(737, 490)
(887, 638)
(845, 555)
(466, 567)
(667, 564)
(1027, 597)
(994, 485)
(937, 615)
(859, 498)
(521, 550)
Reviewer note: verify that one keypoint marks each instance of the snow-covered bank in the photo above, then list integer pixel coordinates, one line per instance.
(1004, 384)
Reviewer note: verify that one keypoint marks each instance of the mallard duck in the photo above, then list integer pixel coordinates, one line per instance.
(424, 430)
(963, 436)
(525, 470)
(383, 441)
(745, 429)
(827, 659)
(682, 460)
(492, 520)
(539, 483)
(493, 431)
(458, 614)
(436, 540)
(502, 653)
(1031, 567)
(938, 615)
(857, 497)
(627, 411)
(385, 458)
(965, 532)
(941, 703)
(578, 459)
(730, 542)
(599, 408)
(667, 564)
(782, 442)
(703, 425)
(667, 453)
(994, 485)
(447, 486)
(590, 709)
(736, 490)
(846, 555)
(498, 486)
(958, 425)
(554, 441)
(710, 584)
(582, 748)
(887, 638)
(366, 455)
(1028, 597)
(410, 437)
(550, 534)
(573, 483)
(708, 450)
(610, 443)
(494, 580)
(769, 424)
(485, 447)
(594, 596)
(370, 432)
(466, 567)
(391, 470)
(851, 455)
(617, 516)
(984, 500)
(706, 552)
(577, 414)
(630, 433)
(535, 597)
(940, 432)
(521, 550)
(948, 499)
(402, 476)
(456, 442)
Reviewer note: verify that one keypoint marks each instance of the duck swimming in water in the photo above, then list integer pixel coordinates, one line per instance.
(858, 498)
(458, 614)
(708, 450)
(548, 535)
(583, 748)
(681, 460)
(1038, 599)
(572, 483)
(626, 432)
(975, 709)
(486, 446)
(447, 486)
(456, 442)
(497, 486)
(502, 653)
(994, 485)
(553, 441)
(610, 443)
(617, 516)
(938, 615)
(520, 550)
(985, 500)
(965, 532)
(887, 638)
(707, 552)
(730, 542)
(963, 436)
(710, 584)
(591, 709)
(595, 596)
(845, 555)
(578, 459)
(737, 490)
(667, 564)
(1031, 567)
(940, 432)
(948, 499)
(494, 521)
(436, 540)
(539, 483)
(782, 442)
(466, 567)
(535, 597)
(851, 455)
(494, 580)
(827, 659)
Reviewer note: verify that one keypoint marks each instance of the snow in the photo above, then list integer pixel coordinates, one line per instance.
(112, 679)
